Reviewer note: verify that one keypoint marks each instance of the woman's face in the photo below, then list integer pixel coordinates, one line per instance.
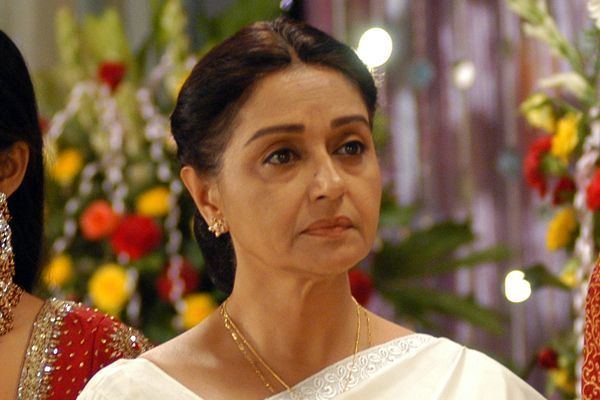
(300, 183)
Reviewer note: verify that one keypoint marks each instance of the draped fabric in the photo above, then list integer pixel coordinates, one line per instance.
(69, 343)
(590, 387)
(411, 367)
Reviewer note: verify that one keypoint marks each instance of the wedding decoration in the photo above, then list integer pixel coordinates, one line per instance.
(563, 166)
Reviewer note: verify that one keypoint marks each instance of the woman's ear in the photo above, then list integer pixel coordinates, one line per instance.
(204, 191)
(13, 165)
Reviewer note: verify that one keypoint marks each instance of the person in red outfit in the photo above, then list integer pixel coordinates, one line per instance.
(590, 386)
(50, 348)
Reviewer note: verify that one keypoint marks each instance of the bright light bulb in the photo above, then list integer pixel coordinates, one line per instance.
(375, 47)
(463, 74)
(516, 288)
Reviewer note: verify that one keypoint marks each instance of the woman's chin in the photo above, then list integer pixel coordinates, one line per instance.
(329, 265)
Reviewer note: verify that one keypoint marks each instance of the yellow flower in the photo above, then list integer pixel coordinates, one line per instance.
(561, 228)
(58, 272)
(562, 380)
(565, 140)
(109, 288)
(568, 275)
(569, 279)
(539, 113)
(67, 165)
(196, 307)
(154, 202)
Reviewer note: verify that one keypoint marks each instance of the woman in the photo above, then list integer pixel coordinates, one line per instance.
(273, 128)
(49, 348)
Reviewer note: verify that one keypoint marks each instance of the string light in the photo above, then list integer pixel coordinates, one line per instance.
(516, 288)
(375, 47)
(463, 74)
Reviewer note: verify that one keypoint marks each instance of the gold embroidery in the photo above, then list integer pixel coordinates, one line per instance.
(41, 351)
(591, 366)
(127, 342)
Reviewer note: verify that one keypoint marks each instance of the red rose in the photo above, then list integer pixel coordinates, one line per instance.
(563, 191)
(593, 192)
(532, 163)
(547, 358)
(111, 73)
(98, 220)
(361, 285)
(188, 276)
(136, 236)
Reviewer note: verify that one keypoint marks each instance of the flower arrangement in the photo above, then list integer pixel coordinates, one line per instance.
(563, 166)
(117, 221)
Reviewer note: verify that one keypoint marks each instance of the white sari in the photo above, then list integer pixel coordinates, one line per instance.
(416, 366)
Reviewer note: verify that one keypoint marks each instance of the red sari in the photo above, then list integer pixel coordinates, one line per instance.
(69, 343)
(590, 385)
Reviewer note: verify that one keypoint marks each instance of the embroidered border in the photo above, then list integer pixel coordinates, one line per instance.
(127, 342)
(590, 383)
(328, 383)
(42, 351)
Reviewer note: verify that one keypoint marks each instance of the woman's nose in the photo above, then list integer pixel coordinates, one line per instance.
(328, 182)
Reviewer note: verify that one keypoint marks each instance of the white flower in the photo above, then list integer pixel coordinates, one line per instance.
(569, 81)
(594, 9)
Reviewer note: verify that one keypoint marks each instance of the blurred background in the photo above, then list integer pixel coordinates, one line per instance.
(485, 109)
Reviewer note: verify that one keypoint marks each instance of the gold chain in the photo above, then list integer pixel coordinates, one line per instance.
(234, 335)
(369, 336)
(347, 381)
(237, 335)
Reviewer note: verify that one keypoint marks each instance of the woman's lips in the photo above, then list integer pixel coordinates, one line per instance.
(330, 227)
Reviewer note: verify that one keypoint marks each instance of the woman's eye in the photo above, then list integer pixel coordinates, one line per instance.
(352, 148)
(280, 157)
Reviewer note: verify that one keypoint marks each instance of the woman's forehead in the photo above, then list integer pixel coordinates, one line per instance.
(298, 93)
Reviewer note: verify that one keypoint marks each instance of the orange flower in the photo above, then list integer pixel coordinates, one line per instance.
(98, 220)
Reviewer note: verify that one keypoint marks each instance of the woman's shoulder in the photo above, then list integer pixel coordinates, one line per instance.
(134, 379)
(472, 371)
(109, 338)
(69, 343)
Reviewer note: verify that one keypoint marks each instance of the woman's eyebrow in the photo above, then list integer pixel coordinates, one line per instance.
(299, 128)
(287, 128)
(336, 123)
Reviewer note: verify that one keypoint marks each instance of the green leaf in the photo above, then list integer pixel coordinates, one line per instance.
(234, 16)
(426, 300)
(104, 39)
(553, 165)
(420, 252)
(539, 276)
(489, 255)
(397, 216)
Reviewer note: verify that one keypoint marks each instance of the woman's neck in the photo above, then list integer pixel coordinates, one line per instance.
(299, 324)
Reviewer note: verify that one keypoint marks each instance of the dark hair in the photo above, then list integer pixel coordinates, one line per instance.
(218, 87)
(19, 122)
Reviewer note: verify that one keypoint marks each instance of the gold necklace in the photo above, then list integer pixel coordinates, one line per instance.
(369, 335)
(240, 346)
(347, 381)
(237, 335)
